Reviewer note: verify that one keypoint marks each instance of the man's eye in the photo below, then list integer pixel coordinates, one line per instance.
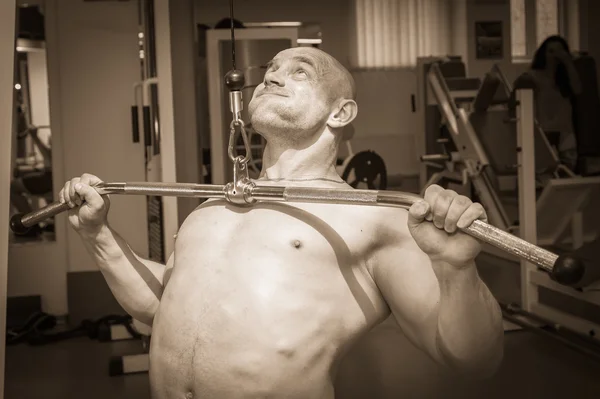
(301, 72)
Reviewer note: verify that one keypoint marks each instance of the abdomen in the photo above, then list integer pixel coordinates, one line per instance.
(225, 343)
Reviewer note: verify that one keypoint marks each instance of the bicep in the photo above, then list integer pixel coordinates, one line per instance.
(155, 274)
(406, 279)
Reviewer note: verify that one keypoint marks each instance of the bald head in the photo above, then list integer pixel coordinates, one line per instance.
(334, 79)
(305, 92)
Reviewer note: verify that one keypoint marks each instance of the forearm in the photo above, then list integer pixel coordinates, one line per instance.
(470, 334)
(136, 283)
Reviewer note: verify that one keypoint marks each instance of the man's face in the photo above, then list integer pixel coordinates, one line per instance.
(292, 98)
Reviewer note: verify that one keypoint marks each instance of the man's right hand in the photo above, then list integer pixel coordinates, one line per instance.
(89, 210)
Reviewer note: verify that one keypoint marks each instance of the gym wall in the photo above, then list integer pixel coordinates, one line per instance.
(98, 65)
(385, 122)
(490, 10)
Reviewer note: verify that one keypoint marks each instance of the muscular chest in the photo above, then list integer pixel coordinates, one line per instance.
(278, 254)
(308, 230)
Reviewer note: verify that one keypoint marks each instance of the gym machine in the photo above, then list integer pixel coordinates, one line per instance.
(489, 136)
(430, 118)
(363, 167)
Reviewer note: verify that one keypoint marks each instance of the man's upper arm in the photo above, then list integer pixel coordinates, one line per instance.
(168, 270)
(404, 275)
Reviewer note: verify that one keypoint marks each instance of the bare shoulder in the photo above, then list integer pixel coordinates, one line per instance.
(200, 216)
(391, 223)
(395, 247)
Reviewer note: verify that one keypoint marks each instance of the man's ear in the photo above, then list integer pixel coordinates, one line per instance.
(344, 114)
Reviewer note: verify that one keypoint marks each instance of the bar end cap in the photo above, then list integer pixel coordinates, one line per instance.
(17, 226)
(567, 270)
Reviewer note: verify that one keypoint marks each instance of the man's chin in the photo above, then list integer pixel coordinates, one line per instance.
(260, 125)
(257, 108)
(268, 125)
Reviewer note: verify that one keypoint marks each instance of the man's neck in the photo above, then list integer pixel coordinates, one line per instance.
(316, 161)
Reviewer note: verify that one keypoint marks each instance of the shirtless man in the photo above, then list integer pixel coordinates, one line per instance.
(263, 301)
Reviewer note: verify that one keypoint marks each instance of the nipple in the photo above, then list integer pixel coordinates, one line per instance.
(297, 244)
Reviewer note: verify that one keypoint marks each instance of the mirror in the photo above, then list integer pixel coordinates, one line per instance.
(31, 183)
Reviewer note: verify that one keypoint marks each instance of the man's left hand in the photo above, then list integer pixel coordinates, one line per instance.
(434, 224)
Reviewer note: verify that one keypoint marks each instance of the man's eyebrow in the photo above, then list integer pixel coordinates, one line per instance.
(307, 60)
(300, 58)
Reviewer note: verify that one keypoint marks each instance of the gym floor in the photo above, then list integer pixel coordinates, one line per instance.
(382, 366)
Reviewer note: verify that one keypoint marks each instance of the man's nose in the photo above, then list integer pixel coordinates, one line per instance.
(274, 78)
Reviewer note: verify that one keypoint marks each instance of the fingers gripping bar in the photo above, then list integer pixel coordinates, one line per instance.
(565, 270)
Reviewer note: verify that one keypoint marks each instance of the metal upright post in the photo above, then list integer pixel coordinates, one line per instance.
(527, 196)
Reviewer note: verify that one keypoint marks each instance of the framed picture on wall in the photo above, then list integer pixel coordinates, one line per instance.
(489, 41)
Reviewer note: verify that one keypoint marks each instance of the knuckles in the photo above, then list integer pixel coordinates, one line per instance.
(433, 190)
(479, 208)
(446, 196)
(447, 209)
(463, 201)
(440, 199)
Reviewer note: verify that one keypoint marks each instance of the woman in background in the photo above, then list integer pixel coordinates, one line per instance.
(556, 83)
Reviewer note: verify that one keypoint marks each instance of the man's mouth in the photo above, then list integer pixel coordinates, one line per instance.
(273, 93)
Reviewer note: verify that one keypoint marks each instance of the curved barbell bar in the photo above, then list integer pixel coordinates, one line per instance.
(563, 269)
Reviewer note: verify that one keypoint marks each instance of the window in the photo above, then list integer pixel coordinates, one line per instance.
(393, 33)
(525, 14)
(546, 19)
(518, 28)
